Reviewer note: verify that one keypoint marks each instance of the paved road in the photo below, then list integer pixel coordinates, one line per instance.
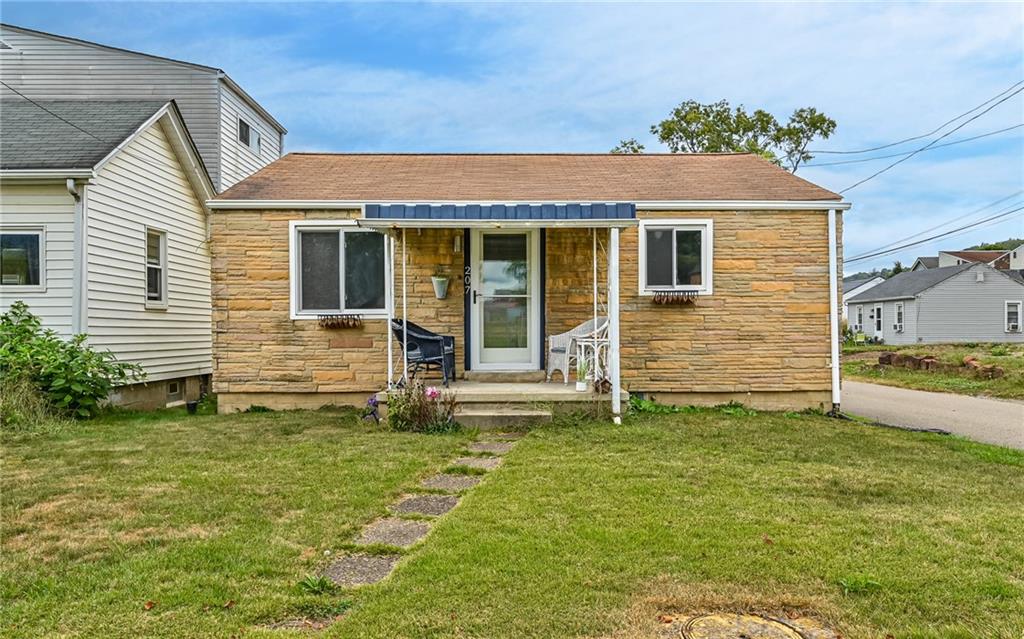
(992, 421)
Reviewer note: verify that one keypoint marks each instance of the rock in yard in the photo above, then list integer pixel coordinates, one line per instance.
(360, 570)
(432, 505)
(450, 483)
(393, 532)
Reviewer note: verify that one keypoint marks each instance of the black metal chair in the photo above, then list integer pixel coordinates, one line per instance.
(426, 350)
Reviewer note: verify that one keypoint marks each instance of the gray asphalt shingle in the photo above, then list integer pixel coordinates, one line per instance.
(908, 284)
(32, 136)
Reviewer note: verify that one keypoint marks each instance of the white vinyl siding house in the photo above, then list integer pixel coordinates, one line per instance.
(963, 303)
(240, 159)
(46, 66)
(50, 211)
(143, 192)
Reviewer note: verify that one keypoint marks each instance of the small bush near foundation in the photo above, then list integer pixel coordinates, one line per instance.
(416, 409)
(67, 374)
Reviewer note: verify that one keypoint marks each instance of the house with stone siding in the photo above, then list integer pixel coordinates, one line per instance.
(715, 277)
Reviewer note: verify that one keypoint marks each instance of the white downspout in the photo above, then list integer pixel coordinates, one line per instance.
(833, 308)
(405, 318)
(593, 363)
(79, 295)
(613, 324)
(389, 258)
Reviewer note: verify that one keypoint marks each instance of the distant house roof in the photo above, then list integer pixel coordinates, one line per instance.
(519, 178)
(908, 284)
(38, 134)
(976, 256)
(853, 283)
(927, 261)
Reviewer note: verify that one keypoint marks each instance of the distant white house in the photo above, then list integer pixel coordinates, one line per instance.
(1012, 259)
(970, 302)
(103, 230)
(235, 135)
(855, 286)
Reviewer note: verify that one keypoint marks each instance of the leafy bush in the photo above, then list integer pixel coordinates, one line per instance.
(71, 376)
(414, 408)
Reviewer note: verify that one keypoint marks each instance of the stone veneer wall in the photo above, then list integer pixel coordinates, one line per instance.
(764, 329)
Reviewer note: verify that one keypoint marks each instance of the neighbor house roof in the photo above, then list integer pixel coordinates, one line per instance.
(928, 261)
(67, 134)
(908, 284)
(853, 283)
(976, 256)
(503, 177)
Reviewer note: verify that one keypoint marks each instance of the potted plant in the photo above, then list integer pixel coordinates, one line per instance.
(440, 280)
(582, 369)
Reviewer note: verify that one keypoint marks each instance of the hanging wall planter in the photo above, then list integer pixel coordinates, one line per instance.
(440, 282)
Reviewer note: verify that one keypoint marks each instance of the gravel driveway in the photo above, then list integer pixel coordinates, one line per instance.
(993, 421)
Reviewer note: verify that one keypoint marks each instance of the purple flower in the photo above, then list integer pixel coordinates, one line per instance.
(432, 392)
(372, 402)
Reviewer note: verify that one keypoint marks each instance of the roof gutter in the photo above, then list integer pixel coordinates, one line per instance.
(45, 174)
(641, 205)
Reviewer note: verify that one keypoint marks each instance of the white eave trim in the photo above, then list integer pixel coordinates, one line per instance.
(681, 205)
(45, 174)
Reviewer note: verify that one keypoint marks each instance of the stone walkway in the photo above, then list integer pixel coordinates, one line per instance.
(413, 514)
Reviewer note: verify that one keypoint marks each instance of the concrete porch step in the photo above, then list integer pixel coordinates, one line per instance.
(504, 376)
(497, 417)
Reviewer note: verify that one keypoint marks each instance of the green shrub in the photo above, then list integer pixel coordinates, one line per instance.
(71, 376)
(414, 408)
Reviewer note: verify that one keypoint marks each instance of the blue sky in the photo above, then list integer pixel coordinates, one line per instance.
(579, 77)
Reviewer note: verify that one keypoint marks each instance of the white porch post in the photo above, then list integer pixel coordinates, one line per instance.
(389, 302)
(593, 363)
(613, 324)
(833, 307)
(405, 317)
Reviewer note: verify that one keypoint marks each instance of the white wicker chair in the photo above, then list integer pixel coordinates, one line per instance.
(562, 347)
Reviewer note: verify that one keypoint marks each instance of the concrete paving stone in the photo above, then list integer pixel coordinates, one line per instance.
(483, 463)
(432, 505)
(494, 448)
(450, 483)
(393, 531)
(355, 570)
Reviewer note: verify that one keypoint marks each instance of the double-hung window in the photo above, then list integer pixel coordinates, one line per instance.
(156, 269)
(675, 255)
(22, 261)
(1012, 314)
(248, 135)
(898, 325)
(337, 268)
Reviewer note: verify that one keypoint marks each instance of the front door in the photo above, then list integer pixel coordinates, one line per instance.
(505, 308)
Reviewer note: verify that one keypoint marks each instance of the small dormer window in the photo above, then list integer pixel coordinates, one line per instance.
(248, 135)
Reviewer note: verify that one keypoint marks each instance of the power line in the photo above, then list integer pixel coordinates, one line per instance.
(935, 237)
(938, 226)
(924, 135)
(932, 143)
(896, 155)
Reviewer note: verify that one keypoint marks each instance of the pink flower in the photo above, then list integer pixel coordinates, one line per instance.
(432, 392)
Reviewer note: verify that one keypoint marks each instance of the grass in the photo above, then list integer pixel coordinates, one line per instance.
(190, 513)
(586, 529)
(860, 360)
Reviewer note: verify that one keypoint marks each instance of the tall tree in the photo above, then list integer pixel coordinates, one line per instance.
(693, 127)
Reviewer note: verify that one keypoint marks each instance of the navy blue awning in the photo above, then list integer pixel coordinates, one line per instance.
(590, 214)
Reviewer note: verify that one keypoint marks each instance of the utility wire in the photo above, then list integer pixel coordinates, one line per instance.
(896, 155)
(897, 249)
(924, 135)
(932, 143)
(938, 226)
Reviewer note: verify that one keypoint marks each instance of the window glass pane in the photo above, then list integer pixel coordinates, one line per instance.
(659, 257)
(243, 132)
(154, 283)
(319, 260)
(504, 267)
(364, 270)
(19, 259)
(688, 262)
(1013, 314)
(153, 248)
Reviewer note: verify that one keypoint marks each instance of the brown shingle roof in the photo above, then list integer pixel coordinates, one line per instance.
(976, 256)
(523, 177)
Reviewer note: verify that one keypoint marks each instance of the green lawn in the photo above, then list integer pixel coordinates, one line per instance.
(586, 530)
(859, 364)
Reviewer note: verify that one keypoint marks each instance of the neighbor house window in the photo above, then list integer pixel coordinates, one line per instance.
(156, 268)
(337, 269)
(898, 326)
(21, 259)
(248, 135)
(675, 255)
(1013, 310)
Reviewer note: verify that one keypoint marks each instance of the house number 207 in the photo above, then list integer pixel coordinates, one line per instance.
(467, 279)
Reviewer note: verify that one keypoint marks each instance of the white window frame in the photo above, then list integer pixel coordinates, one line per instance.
(1006, 315)
(898, 319)
(28, 230)
(295, 269)
(877, 319)
(255, 139)
(154, 304)
(705, 226)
